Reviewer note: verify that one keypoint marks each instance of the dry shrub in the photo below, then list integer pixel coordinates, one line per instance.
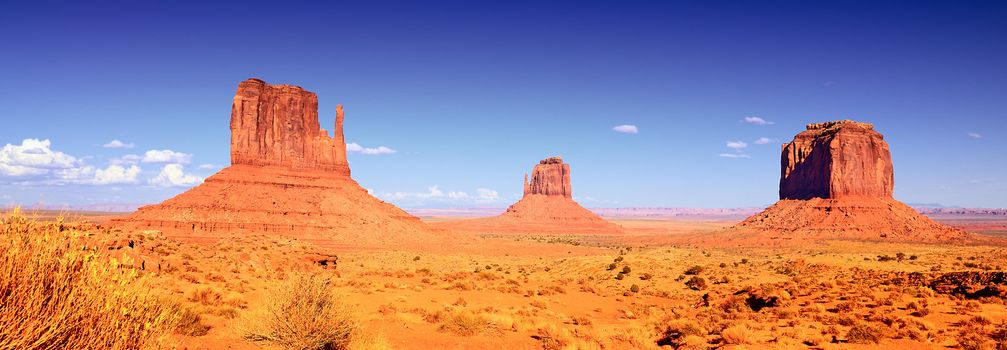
(190, 323)
(555, 338)
(679, 333)
(863, 334)
(737, 334)
(55, 293)
(696, 283)
(466, 323)
(303, 313)
(205, 296)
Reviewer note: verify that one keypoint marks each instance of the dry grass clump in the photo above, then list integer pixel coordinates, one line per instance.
(466, 323)
(863, 334)
(190, 323)
(303, 313)
(56, 293)
(681, 333)
(555, 338)
(737, 334)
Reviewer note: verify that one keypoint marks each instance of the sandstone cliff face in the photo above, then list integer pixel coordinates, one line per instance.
(550, 177)
(278, 125)
(836, 159)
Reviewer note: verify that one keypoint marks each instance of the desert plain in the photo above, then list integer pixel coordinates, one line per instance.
(650, 286)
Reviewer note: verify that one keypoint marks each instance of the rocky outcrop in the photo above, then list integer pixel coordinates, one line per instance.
(836, 159)
(546, 208)
(278, 125)
(836, 181)
(287, 176)
(550, 177)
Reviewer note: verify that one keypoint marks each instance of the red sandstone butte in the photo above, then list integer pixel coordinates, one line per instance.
(836, 181)
(287, 176)
(547, 207)
(278, 125)
(550, 177)
(836, 159)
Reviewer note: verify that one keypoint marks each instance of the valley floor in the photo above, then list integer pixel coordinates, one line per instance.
(638, 290)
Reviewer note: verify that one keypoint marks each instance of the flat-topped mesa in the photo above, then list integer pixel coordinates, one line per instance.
(836, 183)
(550, 177)
(836, 159)
(278, 125)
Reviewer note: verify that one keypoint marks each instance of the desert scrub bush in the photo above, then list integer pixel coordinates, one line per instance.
(696, 283)
(190, 323)
(680, 333)
(465, 323)
(303, 313)
(57, 293)
(863, 334)
(737, 334)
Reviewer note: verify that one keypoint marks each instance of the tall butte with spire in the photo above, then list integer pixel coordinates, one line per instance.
(287, 176)
(836, 181)
(546, 207)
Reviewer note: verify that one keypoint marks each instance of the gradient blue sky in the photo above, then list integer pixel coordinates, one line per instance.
(471, 94)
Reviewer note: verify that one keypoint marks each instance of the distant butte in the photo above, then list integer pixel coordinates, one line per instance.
(547, 207)
(836, 181)
(288, 176)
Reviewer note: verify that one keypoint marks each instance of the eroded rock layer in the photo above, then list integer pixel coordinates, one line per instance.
(288, 176)
(836, 182)
(314, 203)
(547, 207)
(836, 159)
(278, 125)
(550, 177)
(866, 218)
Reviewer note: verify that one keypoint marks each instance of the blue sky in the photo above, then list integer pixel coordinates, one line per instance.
(470, 95)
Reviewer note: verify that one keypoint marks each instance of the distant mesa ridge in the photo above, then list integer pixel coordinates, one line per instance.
(546, 207)
(836, 181)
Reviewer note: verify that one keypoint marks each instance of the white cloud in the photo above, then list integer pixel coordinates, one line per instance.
(126, 159)
(353, 147)
(763, 141)
(208, 166)
(757, 121)
(89, 175)
(173, 175)
(116, 174)
(166, 156)
(118, 144)
(32, 158)
(487, 194)
(35, 162)
(434, 195)
(626, 129)
(975, 135)
(737, 145)
(735, 155)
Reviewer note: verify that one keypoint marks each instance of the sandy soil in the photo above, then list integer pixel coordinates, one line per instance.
(643, 288)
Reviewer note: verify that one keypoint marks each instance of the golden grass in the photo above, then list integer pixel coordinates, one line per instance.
(303, 313)
(56, 293)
